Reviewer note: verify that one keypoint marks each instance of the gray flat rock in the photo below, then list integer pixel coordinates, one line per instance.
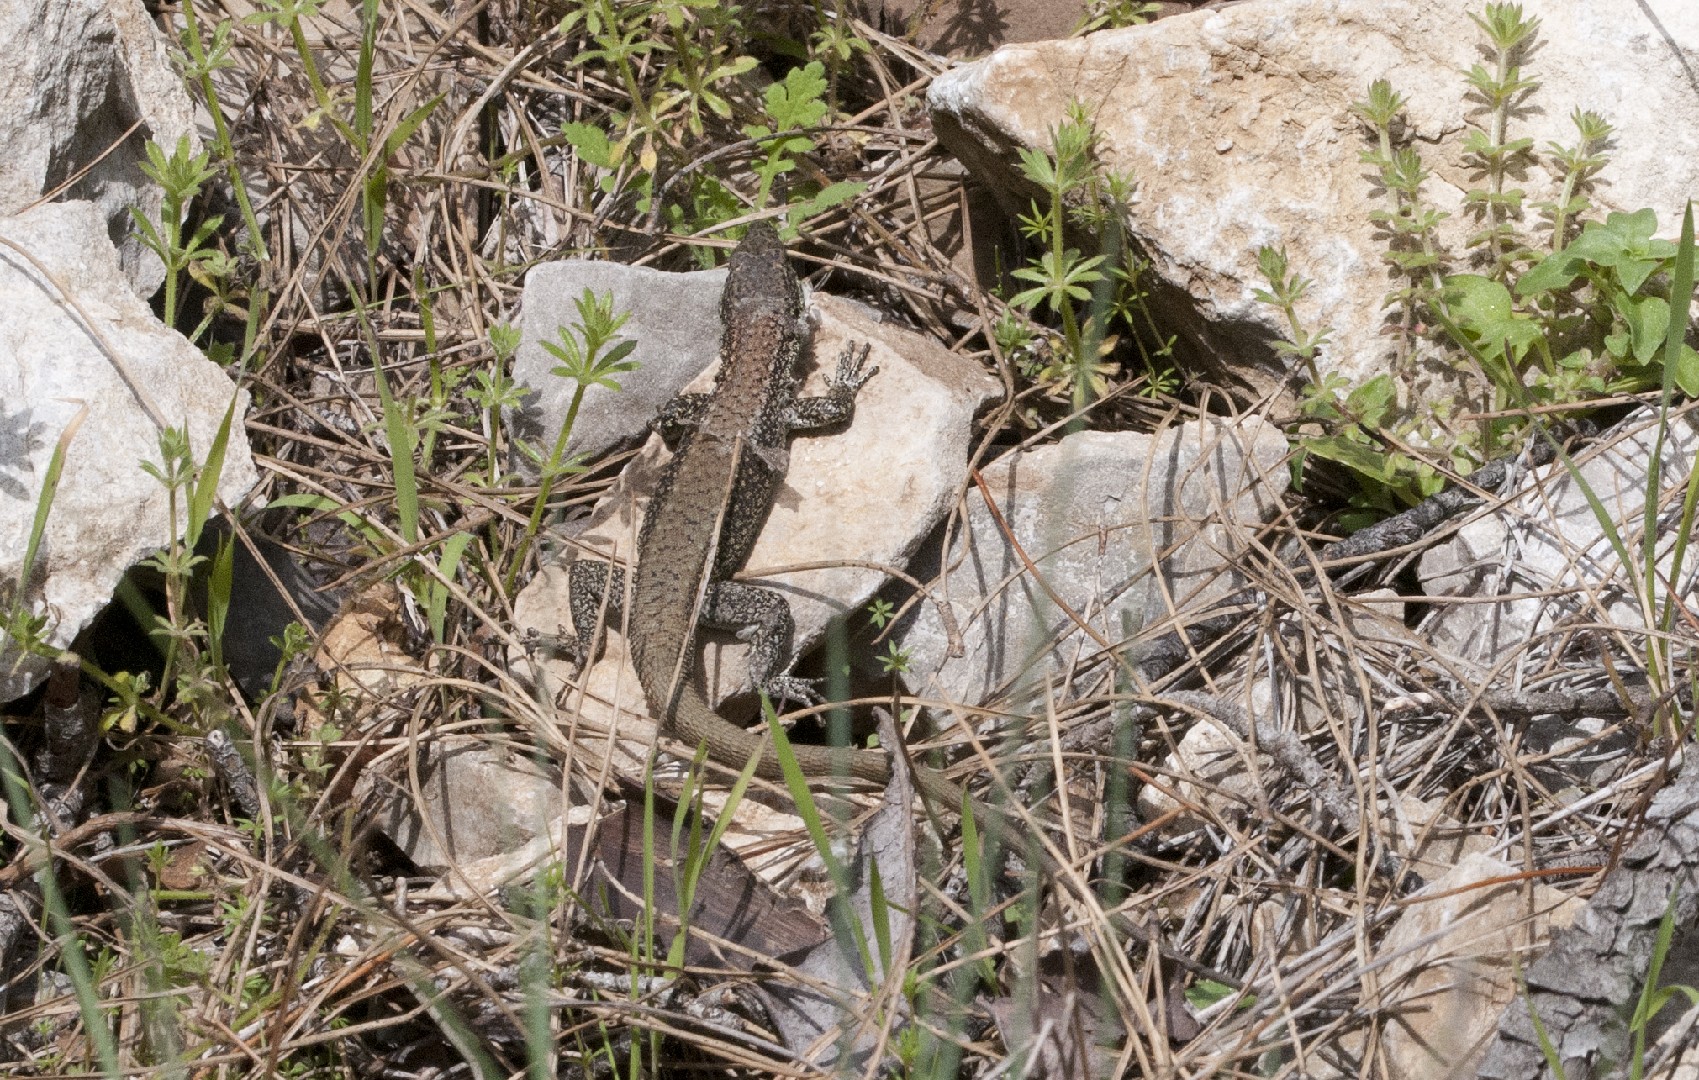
(674, 318)
(1094, 513)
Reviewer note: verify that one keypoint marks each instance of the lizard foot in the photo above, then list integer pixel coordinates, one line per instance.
(852, 373)
(561, 643)
(783, 688)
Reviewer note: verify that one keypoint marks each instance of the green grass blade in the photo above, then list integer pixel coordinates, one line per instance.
(852, 938)
(1553, 1061)
(398, 427)
(974, 938)
(206, 484)
(436, 601)
(1652, 998)
(44, 501)
(363, 120)
(1606, 524)
(1681, 288)
(409, 124)
(880, 908)
(806, 809)
(1681, 304)
(698, 853)
(218, 588)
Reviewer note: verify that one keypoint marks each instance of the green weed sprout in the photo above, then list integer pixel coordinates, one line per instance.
(180, 176)
(1088, 294)
(1412, 248)
(495, 393)
(1116, 14)
(589, 355)
(190, 493)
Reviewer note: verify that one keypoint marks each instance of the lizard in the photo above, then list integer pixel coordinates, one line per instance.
(705, 514)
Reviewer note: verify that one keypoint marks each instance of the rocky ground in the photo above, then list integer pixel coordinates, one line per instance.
(1275, 494)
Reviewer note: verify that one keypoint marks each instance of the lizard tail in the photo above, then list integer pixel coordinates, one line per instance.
(694, 721)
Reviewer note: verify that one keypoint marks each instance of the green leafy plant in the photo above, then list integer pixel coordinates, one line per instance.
(676, 73)
(180, 175)
(1500, 91)
(681, 69)
(1345, 422)
(1578, 165)
(1089, 295)
(494, 392)
(23, 626)
(199, 59)
(835, 44)
(676, 61)
(793, 106)
(193, 661)
(894, 660)
(1412, 247)
(1585, 319)
(1115, 14)
(1285, 289)
(295, 641)
(1590, 319)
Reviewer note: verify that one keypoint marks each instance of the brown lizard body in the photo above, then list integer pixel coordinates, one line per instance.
(706, 513)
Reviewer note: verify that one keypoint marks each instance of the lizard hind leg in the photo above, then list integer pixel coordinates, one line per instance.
(763, 619)
(595, 593)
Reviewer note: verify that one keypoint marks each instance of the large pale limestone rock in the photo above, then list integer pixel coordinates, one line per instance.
(78, 75)
(75, 341)
(1094, 513)
(1237, 125)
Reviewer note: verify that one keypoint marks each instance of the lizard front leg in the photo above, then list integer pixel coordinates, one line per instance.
(681, 414)
(838, 403)
(595, 594)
